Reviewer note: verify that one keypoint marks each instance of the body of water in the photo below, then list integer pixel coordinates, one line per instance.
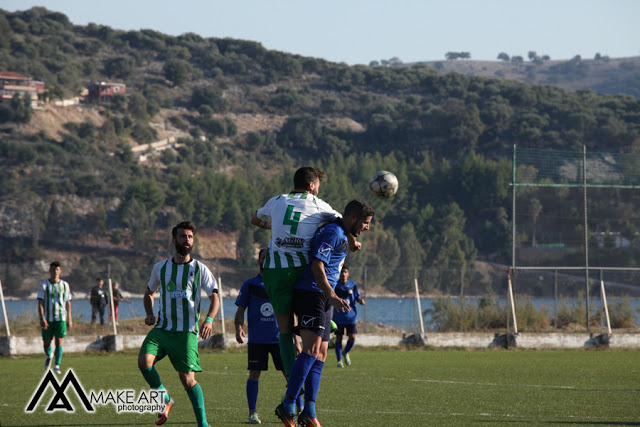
(401, 313)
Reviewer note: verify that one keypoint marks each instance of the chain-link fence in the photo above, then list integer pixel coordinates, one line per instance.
(451, 299)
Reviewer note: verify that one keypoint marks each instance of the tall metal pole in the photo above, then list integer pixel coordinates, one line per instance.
(513, 226)
(586, 229)
(513, 212)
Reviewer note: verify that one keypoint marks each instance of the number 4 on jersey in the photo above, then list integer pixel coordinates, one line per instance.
(292, 218)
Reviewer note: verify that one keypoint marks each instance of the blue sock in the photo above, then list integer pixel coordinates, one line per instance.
(339, 350)
(252, 394)
(299, 372)
(349, 346)
(312, 384)
(310, 408)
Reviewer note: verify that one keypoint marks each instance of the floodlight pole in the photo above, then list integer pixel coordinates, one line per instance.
(513, 212)
(586, 229)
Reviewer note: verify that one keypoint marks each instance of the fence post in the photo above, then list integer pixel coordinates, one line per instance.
(513, 307)
(111, 308)
(364, 282)
(461, 299)
(418, 301)
(4, 311)
(604, 302)
(555, 299)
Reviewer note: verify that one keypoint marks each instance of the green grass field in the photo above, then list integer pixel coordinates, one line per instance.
(383, 387)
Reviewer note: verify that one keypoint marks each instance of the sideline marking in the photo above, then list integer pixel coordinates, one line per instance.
(556, 387)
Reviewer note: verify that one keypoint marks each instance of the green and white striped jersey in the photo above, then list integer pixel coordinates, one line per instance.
(55, 297)
(294, 217)
(180, 290)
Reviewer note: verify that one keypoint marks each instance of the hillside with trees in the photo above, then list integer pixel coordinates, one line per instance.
(447, 137)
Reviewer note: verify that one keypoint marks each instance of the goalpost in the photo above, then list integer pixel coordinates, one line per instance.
(540, 168)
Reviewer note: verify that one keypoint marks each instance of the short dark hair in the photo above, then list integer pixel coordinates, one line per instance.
(99, 279)
(184, 225)
(345, 267)
(306, 175)
(359, 208)
(55, 264)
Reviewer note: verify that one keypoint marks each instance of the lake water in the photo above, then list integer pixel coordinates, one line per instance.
(401, 313)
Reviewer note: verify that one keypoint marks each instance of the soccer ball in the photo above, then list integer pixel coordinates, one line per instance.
(383, 184)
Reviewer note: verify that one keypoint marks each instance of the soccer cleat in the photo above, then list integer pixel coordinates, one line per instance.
(56, 369)
(347, 359)
(253, 418)
(47, 363)
(288, 420)
(162, 417)
(340, 365)
(307, 420)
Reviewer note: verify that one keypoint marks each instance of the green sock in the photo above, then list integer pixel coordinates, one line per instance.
(48, 351)
(287, 352)
(152, 378)
(58, 355)
(197, 400)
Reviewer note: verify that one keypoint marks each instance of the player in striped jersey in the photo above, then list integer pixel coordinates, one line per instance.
(180, 281)
(54, 309)
(293, 219)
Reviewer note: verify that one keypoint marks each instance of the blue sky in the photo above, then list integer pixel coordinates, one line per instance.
(358, 31)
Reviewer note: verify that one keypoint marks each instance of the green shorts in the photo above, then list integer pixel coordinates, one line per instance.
(181, 347)
(279, 283)
(55, 329)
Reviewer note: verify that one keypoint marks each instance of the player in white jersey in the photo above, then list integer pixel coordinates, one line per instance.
(293, 219)
(54, 309)
(180, 280)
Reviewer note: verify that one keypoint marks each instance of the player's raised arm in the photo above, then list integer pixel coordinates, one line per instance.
(260, 223)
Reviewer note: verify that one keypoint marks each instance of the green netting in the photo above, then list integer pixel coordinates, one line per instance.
(543, 167)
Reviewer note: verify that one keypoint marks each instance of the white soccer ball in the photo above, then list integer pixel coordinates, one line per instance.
(383, 184)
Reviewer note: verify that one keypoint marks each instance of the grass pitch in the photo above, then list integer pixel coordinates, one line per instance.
(383, 387)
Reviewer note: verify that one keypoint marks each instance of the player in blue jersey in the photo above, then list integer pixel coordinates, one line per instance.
(293, 219)
(346, 321)
(263, 334)
(313, 298)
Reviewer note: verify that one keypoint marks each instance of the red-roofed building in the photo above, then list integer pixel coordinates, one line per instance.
(13, 83)
(104, 92)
